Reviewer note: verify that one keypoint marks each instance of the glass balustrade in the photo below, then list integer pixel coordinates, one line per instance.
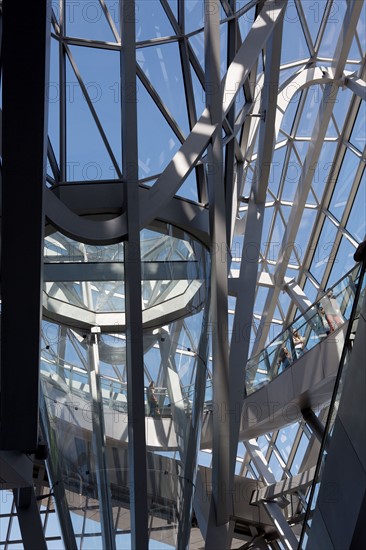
(312, 327)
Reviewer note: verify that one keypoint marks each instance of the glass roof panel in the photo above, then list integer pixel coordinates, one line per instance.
(151, 21)
(303, 235)
(344, 184)
(341, 106)
(356, 223)
(194, 11)
(188, 189)
(275, 467)
(276, 169)
(154, 154)
(113, 11)
(293, 34)
(199, 95)
(291, 178)
(246, 22)
(285, 439)
(296, 464)
(361, 28)
(354, 52)
(288, 119)
(331, 130)
(162, 66)
(358, 136)
(101, 75)
(197, 43)
(223, 48)
(343, 261)
(323, 250)
(332, 28)
(310, 291)
(310, 111)
(54, 99)
(87, 20)
(301, 148)
(323, 168)
(87, 156)
(174, 7)
(314, 13)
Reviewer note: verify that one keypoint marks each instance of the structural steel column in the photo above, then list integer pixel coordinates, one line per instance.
(30, 522)
(134, 342)
(240, 340)
(99, 443)
(219, 285)
(25, 64)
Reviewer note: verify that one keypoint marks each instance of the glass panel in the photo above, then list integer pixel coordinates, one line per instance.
(87, 20)
(358, 137)
(293, 34)
(100, 72)
(333, 28)
(151, 20)
(308, 330)
(344, 184)
(323, 251)
(275, 467)
(87, 156)
(357, 220)
(285, 439)
(296, 464)
(314, 13)
(154, 155)
(161, 64)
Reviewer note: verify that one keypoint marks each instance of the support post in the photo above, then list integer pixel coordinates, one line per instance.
(134, 342)
(24, 130)
(219, 285)
(99, 443)
(314, 423)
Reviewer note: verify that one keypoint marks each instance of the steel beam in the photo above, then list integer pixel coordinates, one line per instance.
(358, 86)
(99, 443)
(219, 306)
(24, 159)
(284, 531)
(114, 271)
(240, 340)
(314, 423)
(29, 519)
(287, 486)
(134, 343)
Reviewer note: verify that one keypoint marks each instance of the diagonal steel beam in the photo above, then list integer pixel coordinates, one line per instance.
(217, 216)
(240, 341)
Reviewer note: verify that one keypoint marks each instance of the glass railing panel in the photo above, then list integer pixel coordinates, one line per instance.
(311, 328)
(346, 293)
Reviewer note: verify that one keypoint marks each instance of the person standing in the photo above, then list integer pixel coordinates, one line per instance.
(299, 342)
(152, 400)
(284, 359)
(332, 311)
